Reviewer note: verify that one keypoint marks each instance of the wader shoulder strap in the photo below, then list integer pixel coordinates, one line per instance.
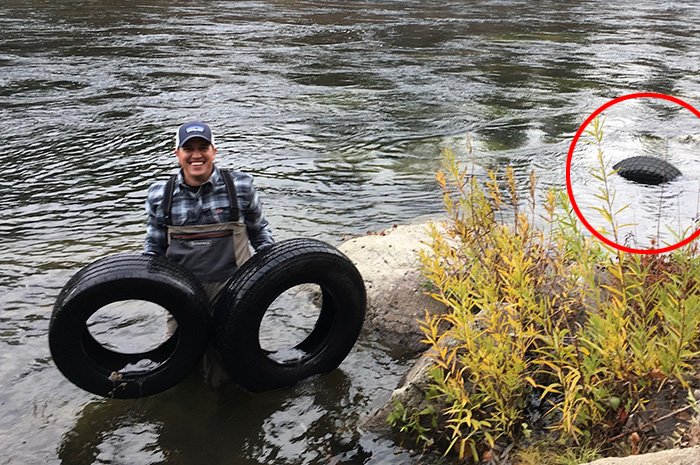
(167, 204)
(234, 212)
(168, 200)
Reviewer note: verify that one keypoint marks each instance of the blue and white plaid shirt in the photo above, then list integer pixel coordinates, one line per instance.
(207, 205)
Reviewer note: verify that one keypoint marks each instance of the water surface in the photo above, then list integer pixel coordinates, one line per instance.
(340, 111)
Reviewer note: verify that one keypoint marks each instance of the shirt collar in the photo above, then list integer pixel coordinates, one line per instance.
(213, 179)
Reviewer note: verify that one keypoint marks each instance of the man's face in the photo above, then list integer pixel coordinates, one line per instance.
(196, 157)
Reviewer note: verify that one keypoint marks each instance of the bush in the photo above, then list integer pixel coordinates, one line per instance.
(553, 336)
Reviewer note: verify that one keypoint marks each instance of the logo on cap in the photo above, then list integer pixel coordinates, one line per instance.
(194, 129)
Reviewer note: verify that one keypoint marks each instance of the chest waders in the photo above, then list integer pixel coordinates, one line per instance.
(211, 251)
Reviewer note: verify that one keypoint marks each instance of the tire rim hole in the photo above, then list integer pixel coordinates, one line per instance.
(288, 321)
(131, 326)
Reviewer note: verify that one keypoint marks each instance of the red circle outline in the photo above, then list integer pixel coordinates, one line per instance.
(568, 173)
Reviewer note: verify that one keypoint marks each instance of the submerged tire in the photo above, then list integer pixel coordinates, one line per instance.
(647, 170)
(100, 370)
(242, 305)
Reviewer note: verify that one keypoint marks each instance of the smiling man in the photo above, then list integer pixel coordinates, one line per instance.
(196, 156)
(203, 217)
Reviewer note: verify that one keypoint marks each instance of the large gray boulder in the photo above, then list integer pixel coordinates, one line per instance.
(396, 298)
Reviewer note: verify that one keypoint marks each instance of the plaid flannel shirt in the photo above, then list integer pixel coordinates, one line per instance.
(207, 205)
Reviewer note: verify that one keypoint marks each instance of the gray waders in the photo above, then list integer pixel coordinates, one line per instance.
(213, 252)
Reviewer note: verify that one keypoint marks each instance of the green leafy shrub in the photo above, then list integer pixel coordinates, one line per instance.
(542, 314)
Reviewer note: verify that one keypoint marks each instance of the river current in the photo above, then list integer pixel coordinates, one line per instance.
(340, 110)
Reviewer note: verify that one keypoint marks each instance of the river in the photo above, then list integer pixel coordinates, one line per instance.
(340, 110)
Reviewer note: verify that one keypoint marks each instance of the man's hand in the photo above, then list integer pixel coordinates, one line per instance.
(264, 248)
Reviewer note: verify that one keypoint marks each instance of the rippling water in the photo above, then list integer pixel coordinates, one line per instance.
(340, 110)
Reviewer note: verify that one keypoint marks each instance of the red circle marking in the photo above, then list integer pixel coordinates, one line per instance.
(568, 174)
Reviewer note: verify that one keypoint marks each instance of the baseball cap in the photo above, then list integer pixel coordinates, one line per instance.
(193, 129)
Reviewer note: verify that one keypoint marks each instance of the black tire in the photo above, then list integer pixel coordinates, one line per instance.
(97, 369)
(242, 305)
(647, 170)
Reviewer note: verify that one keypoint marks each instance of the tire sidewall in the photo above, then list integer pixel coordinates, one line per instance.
(237, 334)
(77, 305)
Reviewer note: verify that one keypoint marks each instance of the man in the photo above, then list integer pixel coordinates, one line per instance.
(204, 218)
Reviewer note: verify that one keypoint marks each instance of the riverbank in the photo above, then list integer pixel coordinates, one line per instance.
(388, 261)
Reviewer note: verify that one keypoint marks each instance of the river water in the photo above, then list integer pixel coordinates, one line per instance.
(340, 111)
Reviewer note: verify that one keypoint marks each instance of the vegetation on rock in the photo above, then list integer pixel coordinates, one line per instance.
(552, 336)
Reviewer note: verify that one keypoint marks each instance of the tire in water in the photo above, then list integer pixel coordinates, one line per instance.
(647, 170)
(242, 305)
(100, 370)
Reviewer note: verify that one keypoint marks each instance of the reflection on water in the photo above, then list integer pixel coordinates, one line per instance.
(130, 326)
(290, 318)
(340, 110)
(194, 424)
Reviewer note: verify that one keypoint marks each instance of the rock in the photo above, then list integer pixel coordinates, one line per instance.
(689, 139)
(410, 392)
(390, 267)
(389, 264)
(689, 456)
